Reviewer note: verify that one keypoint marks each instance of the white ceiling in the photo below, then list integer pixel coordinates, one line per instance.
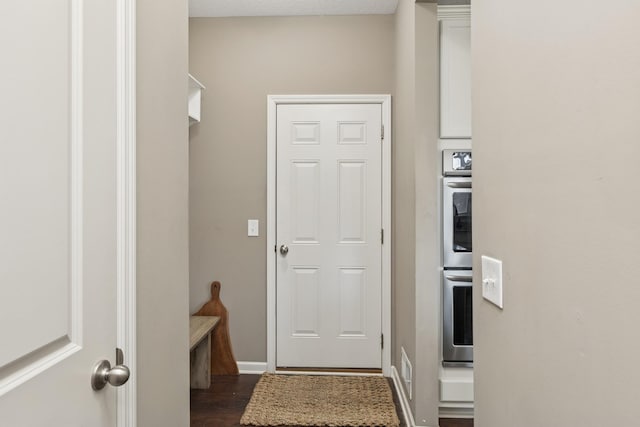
(220, 8)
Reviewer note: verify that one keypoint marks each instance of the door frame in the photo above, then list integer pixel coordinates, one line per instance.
(272, 104)
(126, 312)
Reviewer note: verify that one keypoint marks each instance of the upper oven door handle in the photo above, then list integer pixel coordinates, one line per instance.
(464, 184)
(458, 278)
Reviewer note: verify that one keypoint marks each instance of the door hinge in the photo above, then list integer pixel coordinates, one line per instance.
(381, 340)
(382, 236)
(381, 132)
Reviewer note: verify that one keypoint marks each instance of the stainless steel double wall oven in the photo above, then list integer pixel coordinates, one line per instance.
(457, 323)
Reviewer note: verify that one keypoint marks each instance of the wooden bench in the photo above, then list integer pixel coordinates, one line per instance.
(200, 328)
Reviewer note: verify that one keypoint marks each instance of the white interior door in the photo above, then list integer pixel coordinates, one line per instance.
(58, 216)
(329, 217)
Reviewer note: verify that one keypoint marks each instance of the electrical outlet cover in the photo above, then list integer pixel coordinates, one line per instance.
(253, 228)
(492, 280)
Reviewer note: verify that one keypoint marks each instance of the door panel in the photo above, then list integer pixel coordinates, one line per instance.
(58, 227)
(329, 203)
(352, 198)
(305, 185)
(37, 159)
(353, 300)
(352, 133)
(306, 287)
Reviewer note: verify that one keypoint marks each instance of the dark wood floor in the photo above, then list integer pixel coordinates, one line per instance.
(223, 404)
(456, 422)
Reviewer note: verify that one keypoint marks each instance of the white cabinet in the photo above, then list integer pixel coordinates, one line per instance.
(456, 392)
(195, 96)
(455, 78)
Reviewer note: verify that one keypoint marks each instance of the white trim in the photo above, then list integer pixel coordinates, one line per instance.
(77, 166)
(271, 234)
(446, 12)
(386, 225)
(126, 205)
(194, 83)
(252, 367)
(402, 396)
(272, 103)
(31, 370)
(404, 401)
(458, 391)
(327, 373)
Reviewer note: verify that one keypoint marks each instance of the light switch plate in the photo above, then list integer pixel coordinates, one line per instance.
(253, 228)
(492, 280)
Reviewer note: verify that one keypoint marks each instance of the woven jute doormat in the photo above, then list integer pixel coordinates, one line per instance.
(322, 401)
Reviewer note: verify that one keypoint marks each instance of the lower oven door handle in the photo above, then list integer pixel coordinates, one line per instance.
(459, 278)
(459, 184)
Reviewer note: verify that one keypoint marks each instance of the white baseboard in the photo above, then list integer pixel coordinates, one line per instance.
(404, 401)
(252, 367)
(402, 396)
(342, 374)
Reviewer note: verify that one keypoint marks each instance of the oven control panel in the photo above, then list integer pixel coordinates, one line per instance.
(456, 162)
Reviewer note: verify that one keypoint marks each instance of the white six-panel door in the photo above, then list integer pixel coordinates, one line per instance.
(58, 216)
(329, 207)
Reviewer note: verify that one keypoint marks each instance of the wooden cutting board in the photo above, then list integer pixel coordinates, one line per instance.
(222, 360)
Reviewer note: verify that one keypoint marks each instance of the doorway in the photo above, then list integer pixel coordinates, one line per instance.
(328, 232)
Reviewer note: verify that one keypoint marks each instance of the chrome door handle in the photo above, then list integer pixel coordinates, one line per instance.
(284, 250)
(103, 373)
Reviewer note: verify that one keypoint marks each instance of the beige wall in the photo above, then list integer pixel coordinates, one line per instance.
(241, 61)
(556, 97)
(427, 253)
(403, 187)
(417, 242)
(162, 210)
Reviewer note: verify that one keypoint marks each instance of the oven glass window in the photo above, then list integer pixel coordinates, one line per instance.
(462, 316)
(462, 222)
(461, 161)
